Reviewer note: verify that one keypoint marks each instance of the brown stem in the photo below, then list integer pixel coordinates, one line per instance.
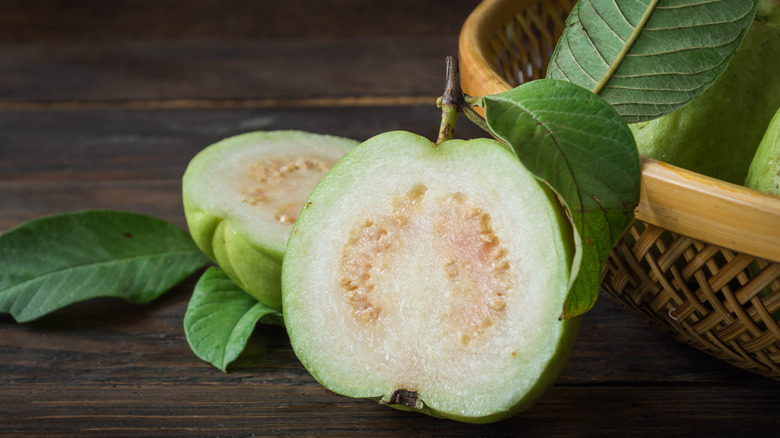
(450, 102)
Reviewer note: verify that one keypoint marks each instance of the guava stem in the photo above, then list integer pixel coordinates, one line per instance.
(451, 102)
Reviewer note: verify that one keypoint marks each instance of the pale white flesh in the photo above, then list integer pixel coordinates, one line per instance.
(440, 270)
(259, 181)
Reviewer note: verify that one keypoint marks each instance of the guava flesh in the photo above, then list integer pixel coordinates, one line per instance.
(718, 133)
(242, 195)
(431, 278)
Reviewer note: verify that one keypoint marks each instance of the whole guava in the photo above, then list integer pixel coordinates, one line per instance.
(718, 132)
(764, 172)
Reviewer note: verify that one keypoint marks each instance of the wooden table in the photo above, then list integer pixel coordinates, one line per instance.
(102, 104)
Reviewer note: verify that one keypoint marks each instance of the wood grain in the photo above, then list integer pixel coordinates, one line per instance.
(109, 368)
(152, 145)
(59, 161)
(287, 69)
(93, 20)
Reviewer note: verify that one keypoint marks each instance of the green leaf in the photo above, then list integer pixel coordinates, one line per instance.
(51, 262)
(577, 143)
(649, 57)
(221, 317)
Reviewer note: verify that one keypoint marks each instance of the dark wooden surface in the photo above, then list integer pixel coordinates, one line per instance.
(102, 104)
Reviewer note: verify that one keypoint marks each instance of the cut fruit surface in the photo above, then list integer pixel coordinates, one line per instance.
(431, 277)
(243, 194)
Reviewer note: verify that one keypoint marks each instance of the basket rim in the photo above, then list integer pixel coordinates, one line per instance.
(673, 198)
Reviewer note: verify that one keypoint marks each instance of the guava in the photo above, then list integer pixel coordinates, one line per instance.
(242, 195)
(431, 277)
(718, 132)
(764, 176)
(764, 172)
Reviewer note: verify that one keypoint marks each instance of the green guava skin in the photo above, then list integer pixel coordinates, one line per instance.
(254, 264)
(718, 133)
(255, 269)
(292, 297)
(764, 173)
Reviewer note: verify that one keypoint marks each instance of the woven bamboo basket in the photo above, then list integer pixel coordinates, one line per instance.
(702, 258)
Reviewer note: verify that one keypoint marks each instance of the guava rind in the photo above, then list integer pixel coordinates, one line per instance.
(250, 255)
(299, 298)
(718, 132)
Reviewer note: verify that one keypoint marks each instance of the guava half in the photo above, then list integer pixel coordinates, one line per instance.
(242, 195)
(431, 278)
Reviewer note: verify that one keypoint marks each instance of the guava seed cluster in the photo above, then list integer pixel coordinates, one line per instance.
(275, 182)
(465, 254)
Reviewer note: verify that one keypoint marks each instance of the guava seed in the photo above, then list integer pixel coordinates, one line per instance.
(269, 177)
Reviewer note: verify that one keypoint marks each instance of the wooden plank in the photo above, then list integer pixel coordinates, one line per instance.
(82, 338)
(59, 161)
(126, 370)
(286, 69)
(257, 408)
(21, 202)
(98, 20)
(119, 145)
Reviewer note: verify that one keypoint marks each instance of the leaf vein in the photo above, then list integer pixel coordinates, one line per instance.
(587, 34)
(626, 47)
(58, 272)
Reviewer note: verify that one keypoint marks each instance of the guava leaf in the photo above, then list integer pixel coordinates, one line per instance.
(649, 57)
(577, 143)
(221, 317)
(54, 261)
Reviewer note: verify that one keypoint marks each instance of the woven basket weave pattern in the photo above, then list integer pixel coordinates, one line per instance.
(717, 299)
(703, 294)
(523, 47)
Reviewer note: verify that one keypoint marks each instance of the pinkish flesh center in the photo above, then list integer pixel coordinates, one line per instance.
(471, 262)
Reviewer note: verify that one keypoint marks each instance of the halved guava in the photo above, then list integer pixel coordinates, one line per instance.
(242, 195)
(431, 278)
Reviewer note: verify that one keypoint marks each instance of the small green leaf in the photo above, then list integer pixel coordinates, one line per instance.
(649, 57)
(51, 262)
(221, 317)
(577, 143)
